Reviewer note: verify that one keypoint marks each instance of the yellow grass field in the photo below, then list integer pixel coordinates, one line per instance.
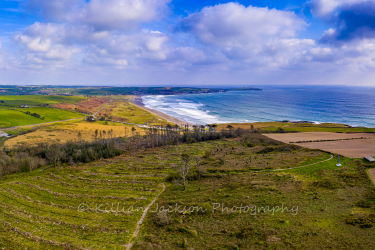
(64, 132)
(124, 111)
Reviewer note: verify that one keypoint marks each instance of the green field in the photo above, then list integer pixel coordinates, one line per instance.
(15, 101)
(10, 118)
(39, 210)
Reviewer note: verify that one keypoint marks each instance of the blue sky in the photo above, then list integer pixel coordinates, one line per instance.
(166, 42)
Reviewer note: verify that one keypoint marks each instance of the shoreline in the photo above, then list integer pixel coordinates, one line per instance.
(137, 100)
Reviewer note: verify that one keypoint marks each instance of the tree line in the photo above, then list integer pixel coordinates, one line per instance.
(28, 158)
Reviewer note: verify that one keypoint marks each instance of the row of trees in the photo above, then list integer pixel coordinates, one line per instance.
(26, 158)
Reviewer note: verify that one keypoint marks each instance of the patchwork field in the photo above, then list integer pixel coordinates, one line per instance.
(94, 206)
(343, 145)
(37, 109)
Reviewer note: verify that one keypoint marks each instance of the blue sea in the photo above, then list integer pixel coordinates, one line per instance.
(353, 106)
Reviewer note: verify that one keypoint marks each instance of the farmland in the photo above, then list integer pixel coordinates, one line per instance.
(30, 100)
(37, 109)
(355, 145)
(58, 208)
(298, 127)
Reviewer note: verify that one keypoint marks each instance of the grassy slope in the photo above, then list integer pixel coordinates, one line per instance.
(129, 112)
(51, 114)
(39, 210)
(325, 195)
(14, 118)
(32, 216)
(62, 132)
(11, 118)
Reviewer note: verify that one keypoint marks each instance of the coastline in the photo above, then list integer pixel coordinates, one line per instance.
(137, 100)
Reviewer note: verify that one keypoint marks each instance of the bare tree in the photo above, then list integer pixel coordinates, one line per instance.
(197, 161)
(31, 164)
(54, 154)
(184, 167)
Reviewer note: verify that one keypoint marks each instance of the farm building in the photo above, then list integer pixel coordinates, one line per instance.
(369, 159)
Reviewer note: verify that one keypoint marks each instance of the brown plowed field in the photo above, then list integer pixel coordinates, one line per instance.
(356, 148)
(88, 106)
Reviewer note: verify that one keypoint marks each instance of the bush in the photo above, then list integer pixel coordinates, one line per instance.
(245, 233)
(328, 183)
(162, 219)
(280, 148)
(364, 204)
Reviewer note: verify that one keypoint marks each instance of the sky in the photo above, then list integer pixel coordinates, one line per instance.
(187, 43)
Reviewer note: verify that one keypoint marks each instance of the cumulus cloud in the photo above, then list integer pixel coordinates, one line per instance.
(233, 24)
(325, 8)
(106, 36)
(353, 19)
(101, 14)
(257, 36)
(45, 42)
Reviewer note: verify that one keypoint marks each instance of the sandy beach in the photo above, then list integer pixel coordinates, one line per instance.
(138, 101)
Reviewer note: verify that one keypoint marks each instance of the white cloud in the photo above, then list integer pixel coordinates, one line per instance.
(45, 42)
(101, 14)
(104, 37)
(248, 36)
(233, 24)
(324, 8)
(120, 14)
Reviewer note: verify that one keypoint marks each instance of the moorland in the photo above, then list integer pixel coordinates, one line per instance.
(69, 182)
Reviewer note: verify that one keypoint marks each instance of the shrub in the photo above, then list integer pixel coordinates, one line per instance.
(364, 204)
(328, 183)
(162, 218)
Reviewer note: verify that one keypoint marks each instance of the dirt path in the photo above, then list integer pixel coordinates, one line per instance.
(138, 228)
(372, 174)
(101, 108)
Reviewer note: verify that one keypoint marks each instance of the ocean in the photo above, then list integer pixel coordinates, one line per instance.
(353, 106)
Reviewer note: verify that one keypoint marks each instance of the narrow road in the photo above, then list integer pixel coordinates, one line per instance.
(102, 108)
(138, 228)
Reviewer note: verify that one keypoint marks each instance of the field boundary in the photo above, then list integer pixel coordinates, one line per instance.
(274, 170)
(138, 228)
(371, 173)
